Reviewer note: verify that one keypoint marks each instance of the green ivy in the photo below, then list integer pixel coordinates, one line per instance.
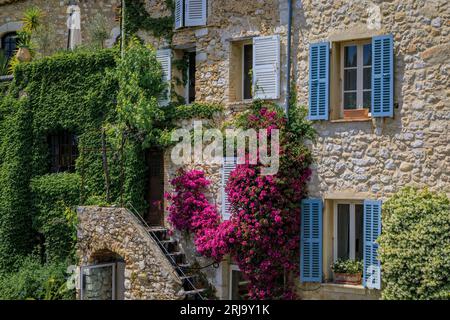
(52, 195)
(137, 18)
(415, 246)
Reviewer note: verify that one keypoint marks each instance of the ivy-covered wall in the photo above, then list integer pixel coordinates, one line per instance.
(69, 91)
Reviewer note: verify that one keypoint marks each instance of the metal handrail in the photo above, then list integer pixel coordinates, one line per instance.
(163, 248)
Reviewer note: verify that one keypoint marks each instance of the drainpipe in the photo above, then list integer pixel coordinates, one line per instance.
(288, 67)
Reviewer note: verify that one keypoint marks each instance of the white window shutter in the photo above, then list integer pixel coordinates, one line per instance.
(165, 58)
(229, 164)
(195, 12)
(179, 13)
(266, 67)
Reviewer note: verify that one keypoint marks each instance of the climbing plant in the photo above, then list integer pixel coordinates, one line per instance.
(262, 235)
(137, 18)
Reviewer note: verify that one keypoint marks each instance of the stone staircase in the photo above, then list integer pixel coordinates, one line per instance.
(192, 285)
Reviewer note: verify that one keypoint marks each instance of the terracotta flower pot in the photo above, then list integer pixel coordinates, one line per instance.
(23, 55)
(348, 278)
(356, 114)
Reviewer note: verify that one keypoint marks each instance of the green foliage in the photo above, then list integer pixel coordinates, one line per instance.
(415, 246)
(98, 30)
(53, 196)
(31, 19)
(139, 76)
(36, 281)
(347, 266)
(137, 18)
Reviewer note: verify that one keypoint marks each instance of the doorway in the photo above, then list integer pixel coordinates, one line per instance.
(155, 188)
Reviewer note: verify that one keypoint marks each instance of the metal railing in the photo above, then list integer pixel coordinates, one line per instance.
(163, 249)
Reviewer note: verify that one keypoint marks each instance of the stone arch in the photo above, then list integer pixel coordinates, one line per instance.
(112, 233)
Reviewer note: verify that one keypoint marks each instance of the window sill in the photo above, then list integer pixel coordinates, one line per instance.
(351, 120)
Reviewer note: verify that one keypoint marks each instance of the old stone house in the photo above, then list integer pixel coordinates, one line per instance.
(374, 75)
(56, 30)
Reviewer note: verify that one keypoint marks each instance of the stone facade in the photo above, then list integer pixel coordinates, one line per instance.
(354, 160)
(55, 18)
(114, 234)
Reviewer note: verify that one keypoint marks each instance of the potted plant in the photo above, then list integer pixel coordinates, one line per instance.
(347, 271)
(31, 21)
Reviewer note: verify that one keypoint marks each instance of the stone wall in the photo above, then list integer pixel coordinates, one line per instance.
(55, 15)
(353, 159)
(148, 273)
(413, 148)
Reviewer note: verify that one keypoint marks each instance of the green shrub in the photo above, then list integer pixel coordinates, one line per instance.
(36, 281)
(347, 266)
(415, 246)
(52, 195)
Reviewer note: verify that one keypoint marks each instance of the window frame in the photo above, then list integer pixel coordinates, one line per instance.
(359, 73)
(352, 229)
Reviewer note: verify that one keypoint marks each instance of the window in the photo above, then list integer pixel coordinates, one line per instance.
(348, 231)
(356, 75)
(63, 151)
(190, 87)
(9, 44)
(247, 65)
(241, 64)
(183, 75)
(351, 79)
(190, 13)
(238, 285)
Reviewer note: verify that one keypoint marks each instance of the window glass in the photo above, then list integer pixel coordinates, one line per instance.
(350, 56)
(9, 44)
(343, 231)
(367, 55)
(350, 100)
(357, 76)
(191, 77)
(247, 69)
(367, 99)
(350, 79)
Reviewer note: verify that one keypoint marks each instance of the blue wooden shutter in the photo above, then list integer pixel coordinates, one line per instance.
(179, 14)
(311, 241)
(229, 164)
(319, 66)
(382, 76)
(372, 229)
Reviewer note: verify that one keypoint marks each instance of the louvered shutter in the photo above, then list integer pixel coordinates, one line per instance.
(179, 14)
(229, 164)
(311, 241)
(266, 67)
(165, 58)
(382, 76)
(195, 12)
(319, 78)
(372, 229)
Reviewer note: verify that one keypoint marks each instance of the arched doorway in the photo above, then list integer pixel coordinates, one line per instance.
(103, 278)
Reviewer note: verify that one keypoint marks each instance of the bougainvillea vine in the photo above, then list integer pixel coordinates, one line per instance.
(263, 233)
